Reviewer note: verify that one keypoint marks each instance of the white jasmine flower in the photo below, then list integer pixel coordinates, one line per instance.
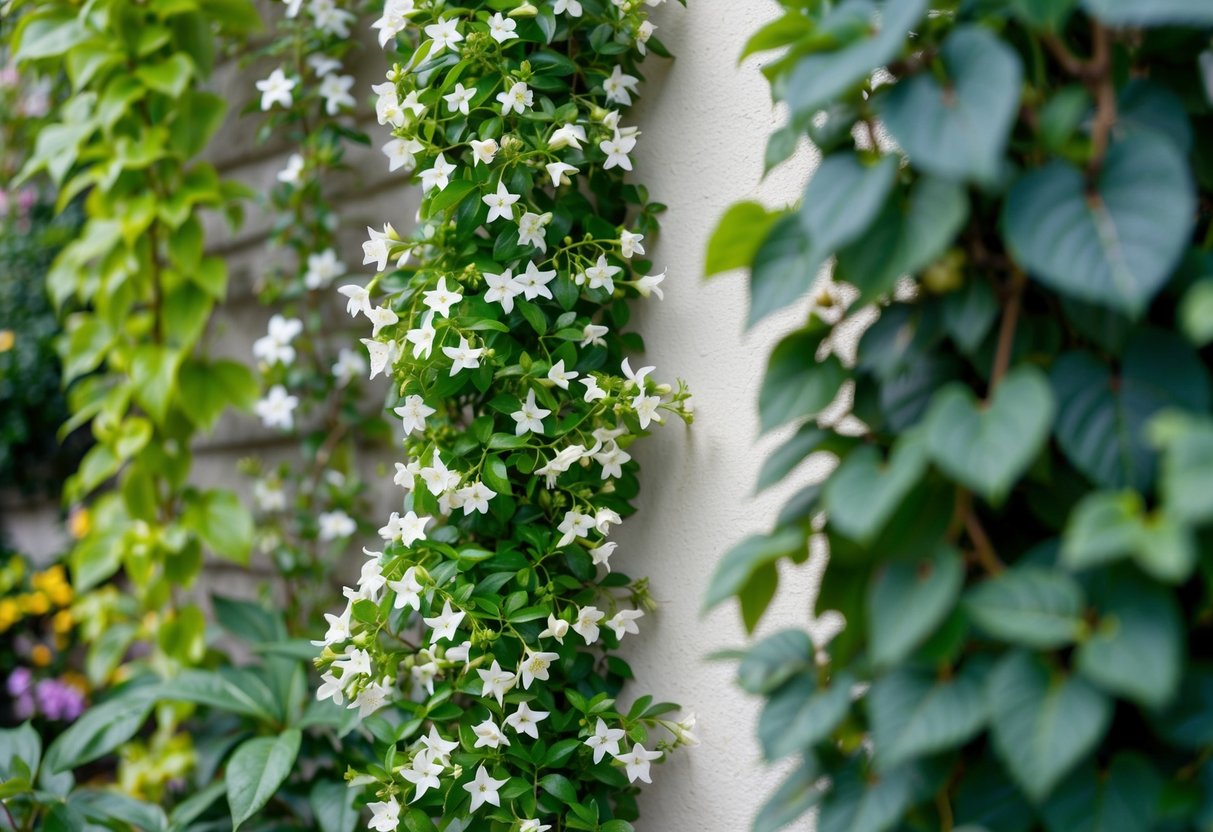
(560, 172)
(338, 631)
(600, 275)
(561, 377)
(444, 33)
(323, 65)
(276, 89)
(604, 741)
(422, 338)
(475, 497)
(561, 463)
(381, 316)
(407, 529)
(381, 355)
(532, 230)
(394, 20)
(277, 409)
(329, 18)
(322, 269)
(570, 7)
(516, 99)
(412, 102)
(592, 391)
(502, 28)
(502, 289)
(643, 32)
(489, 735)
(438, 478)
(444, 625)
(424, 674)
(402, 153)
(292, 174)
(459, 654)
(371, 579)
(385, 817)
(377, 249)
(357, 663)
(601, 555)
(275, 346)
(457, 101)
(617, 150)
(526, 721)
(650, 284)
(349, 366)
(438, 176)
(586, 624)
(423, 773)
(557, 628)
(292, 7)
(330, 688)
(646, 410)
(624, 622)
(335, 90)
(484, 151)
(438, 748)
(630, 244)
(634, 379)
(592, 334)
(637, 762)
(617, 86)
(685, 731)
(463, 357)
(371, 698)
(414, 412)
(269, 497)
(407, 590)
(441, 299)
(335, 525)
(534, 282)
(568, 135)
(359, 299)
(535, 666)
(530, 417)
(405, 474)
(612, 458)
(484, 789)
(501, 204)
(496, 682)
(387, 105)
(533, 824)
(605, 518)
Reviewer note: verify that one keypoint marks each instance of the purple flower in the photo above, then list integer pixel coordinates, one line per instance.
(19, 681)
(58, 700)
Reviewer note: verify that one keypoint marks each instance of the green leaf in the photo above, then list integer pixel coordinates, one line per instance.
(969, 313)
(1029, 605)
(1114, 245)
(843, 199)
(915, 228)
(784, 268)
(780, 32)
(232, 690)
(332, 803)
(858, 802)
(908, 601)
(757, 594)
(795, 796)
(170, 76)
(1125, 798)
(1044, 14)
(1103, 415)
(559, 787)
(989, 449)
(1186, 462)
(255, 771)
(796, 384)
(864, 491)
(106, 807)
(1188, 722)
(737, 237)
(209, 388)
(799, 715)
(1196, 312)
(1154, 13)
(154, 371)
(819, 78)
(1136, 651)
(1110, 526)
(21, 743)
(47, 33)
(775, 660)
(101, 729)
(958, 133)
(1043, 722)
(223, 523)
(808, 439)
(914, 714)
(742, 561)
(451, 195)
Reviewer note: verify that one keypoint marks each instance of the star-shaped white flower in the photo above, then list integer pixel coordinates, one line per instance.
(463, 357)
(618, 85)
(630, 244)
(323, 267)
(440, 749)
(458, 100)
(643, 33)
(502, 28)
(407, 590)
(535, 666)
(567, 135)
(637, 762)
(488, 735)
(335, 525)
(592, 334)
(496, 682)
(502, 289)
(357, 663)
(476, 497)
(484, 151)
(402, 153)
(560, 173)
(601, 555)
(441, 299)
(574, 525)
(380, 317)
(407, 529)
(617, 149)
(532, 229)
(413, 413)
(624, 622)
(371, 698)
(377, 249)
(381, 355)
(516, 99)
(501, 203)
(292, 174)
(277, 409)
(534, 282)
(604, 741)
(330, 688)
(275, 347)
(335, 90)
(339, 629)
(276, 89)
(650, 284)
(561, 377)
(439, 176)
(445, 624)
(573, 9)
(484, 789)
(646, 410)
(422, 338)
(557, 628)
(525, 720)
(634, 379)
(385, 816)
(423, 773)
(444, 33)
(612, 458)
(530, 416)
(358, 299)
(586, 624)
(599, 276)
(438, 478)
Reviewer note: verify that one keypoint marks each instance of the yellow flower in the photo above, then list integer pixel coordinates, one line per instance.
(35, 603)
(7, 340)
(79, 523)
(61, 594)
(62, 622)
(10, 613)
(41, 655)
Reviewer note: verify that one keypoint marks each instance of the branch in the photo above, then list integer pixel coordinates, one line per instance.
(1006, 334)
(982, 546)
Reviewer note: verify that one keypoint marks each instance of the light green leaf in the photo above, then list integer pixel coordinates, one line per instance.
(170, 76)
(1114, 245)
(223, 523)
(209, 388)
(1110, 526)
(1029, 605)
(1154, 13)
(959, 133)
(1043, 722)
(154, 371)
(908, 600)
(796, 384)
(332, 803)
(742, 561)
(103, 728)
(452, 195)
(1196, 312)
(989, 449)
(864, 491)
(1186, 463)
(255, 771)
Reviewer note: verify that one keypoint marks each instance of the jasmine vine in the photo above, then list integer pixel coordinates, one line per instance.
(477, 643)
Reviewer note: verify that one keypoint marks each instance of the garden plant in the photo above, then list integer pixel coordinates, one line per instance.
(1013, 203)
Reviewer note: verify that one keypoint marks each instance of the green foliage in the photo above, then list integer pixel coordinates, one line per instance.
(1018, 523)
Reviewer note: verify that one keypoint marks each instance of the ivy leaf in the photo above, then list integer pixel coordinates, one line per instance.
(1044, 14)
(1115, 245)
(858, 802)
(988, 450)
(1123, 799)
(784, 268)
(908, 600)
(1154, 13)
(843, 198)
(451, 195)
(1029, 605)
(959, 133)
(969, 313)
(738, 566)
(1043, 722)
(796, 384)
(799, 715)
(169, 76)
(1109, 526)
(255, 771)
(774, 660)
(864, 491)
(153, 372)
(795, 796)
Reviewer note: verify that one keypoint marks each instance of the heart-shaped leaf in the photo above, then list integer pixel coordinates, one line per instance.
(908, 601)
(1154, 13)
(800, 714)
(1029, 605)
(1116, 244)
(1043, 722)
(862, 494)
(988, 450)
(1111, 526)
(1125, 798)
(959, 132)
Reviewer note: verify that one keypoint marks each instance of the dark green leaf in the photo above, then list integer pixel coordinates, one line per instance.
(1029, 605)
(255, 771)
(908, 601)
(864, 491)
(915, 714)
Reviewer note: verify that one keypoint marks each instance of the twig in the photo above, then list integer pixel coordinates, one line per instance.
(1105, 98)
(1006, 334)
(982, 546)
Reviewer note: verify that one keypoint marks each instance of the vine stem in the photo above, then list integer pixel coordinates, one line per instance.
(1006, 333)
(982, 546)
(1105, 98)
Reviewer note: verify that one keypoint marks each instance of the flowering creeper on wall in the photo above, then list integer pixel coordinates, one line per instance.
(477, 644)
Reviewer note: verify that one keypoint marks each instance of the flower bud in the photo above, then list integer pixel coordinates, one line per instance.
(525, 10)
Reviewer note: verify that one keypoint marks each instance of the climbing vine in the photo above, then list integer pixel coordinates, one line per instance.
(477, 645)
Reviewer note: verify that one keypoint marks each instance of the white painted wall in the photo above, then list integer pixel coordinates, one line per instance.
(705, 122)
